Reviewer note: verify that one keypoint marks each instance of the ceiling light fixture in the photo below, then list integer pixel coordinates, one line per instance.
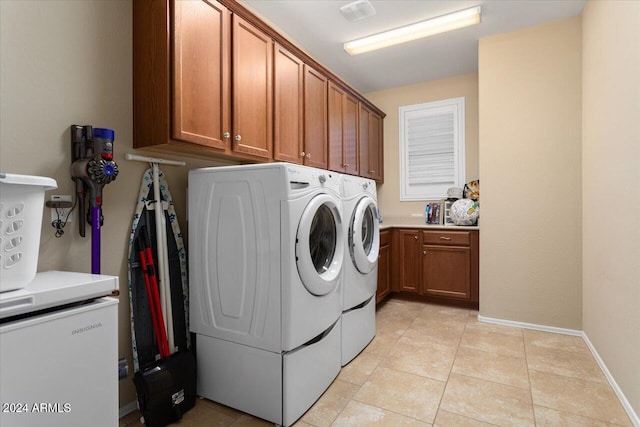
(440, 24)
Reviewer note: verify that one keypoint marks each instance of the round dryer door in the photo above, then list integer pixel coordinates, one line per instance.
(320, 245)
(364, 235)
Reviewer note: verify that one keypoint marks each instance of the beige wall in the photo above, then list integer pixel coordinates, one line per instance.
(530, 136)
(63, 63)
(611, 177)
(389, 101)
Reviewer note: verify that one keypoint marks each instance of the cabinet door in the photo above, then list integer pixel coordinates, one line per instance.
(335, 122)
(408, 260)
(364, 117)
(252, 90)
(315, 118)
(343, 131)
(350, 132)
(446, 271)
(384, 267)
(375, 170)
(288, 90)
(370, 144)
(201, 52)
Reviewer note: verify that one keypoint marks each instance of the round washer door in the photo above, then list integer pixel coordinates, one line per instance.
(364, 235)
(320, 245)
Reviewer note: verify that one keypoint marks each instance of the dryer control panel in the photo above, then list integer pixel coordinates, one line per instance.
(355, 185)
(328, 180)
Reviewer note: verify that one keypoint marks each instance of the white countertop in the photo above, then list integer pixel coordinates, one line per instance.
(418, 222)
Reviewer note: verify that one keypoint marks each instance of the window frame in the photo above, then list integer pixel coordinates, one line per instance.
(432, 191)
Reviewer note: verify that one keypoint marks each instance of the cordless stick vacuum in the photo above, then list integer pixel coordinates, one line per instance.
(92, 168)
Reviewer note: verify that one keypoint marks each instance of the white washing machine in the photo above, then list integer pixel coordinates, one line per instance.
(266, 245)
(360, 210)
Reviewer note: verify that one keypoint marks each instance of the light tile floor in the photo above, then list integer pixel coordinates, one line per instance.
(432, 365)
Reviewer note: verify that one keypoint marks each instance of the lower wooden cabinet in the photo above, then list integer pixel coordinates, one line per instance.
(446, 271)
(407, 261)
(440, 265)
(384, 266)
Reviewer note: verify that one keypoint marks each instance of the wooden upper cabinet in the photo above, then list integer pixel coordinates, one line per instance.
(288, 106)
(343, 130)
(370, 147)
(201, 81)
(315, 118)
(252, 90)
(210, 78)
(335, 126)
(350, 142)
(376, 168)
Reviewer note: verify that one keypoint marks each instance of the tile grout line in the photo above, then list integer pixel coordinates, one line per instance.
(591, 355)
(582, 416)
(569, 352)
(446, 383)
(352, 399)
(490, 381)
(526, 363)
(594, 383)
(451, 370)
(601, 383)
(385, 358)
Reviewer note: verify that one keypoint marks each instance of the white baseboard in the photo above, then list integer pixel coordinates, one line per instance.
(623, 399)
(524, 325)
(128, 408)
(616, 389)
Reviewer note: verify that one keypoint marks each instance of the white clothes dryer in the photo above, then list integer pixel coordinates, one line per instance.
(360, 209)
(266, 245)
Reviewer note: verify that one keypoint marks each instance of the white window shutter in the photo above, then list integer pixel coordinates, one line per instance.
(431, 149)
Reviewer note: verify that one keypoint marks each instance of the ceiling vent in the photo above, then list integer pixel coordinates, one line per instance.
(357, 10)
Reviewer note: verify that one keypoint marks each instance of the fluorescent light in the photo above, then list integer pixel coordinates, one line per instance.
(441, 24)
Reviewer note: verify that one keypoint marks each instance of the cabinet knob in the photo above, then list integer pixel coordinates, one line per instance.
(424, 252)
(238, 137)
(345, 165)
(302, 154)
(308, 155)
(226, 135)
(372, 171)
(415, 237)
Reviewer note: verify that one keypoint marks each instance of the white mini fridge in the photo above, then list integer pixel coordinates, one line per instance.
(58, 365)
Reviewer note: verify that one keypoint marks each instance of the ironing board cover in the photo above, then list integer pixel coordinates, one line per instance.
(142, 337)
